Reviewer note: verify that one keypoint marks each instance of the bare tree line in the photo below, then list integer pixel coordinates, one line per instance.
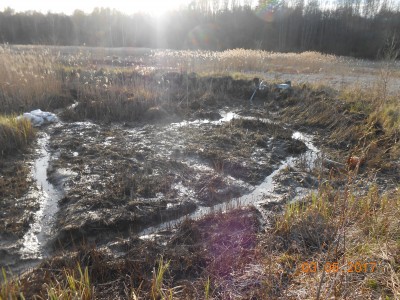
(357, 28)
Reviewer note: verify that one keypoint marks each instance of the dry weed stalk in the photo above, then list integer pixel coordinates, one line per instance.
(27, 79)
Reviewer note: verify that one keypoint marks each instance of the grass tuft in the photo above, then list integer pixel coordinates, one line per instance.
(158, 290)
(15, 134)
(10, 290)
(73, 286)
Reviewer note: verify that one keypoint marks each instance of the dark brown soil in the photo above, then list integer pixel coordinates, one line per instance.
(121, 179)
(14, 184)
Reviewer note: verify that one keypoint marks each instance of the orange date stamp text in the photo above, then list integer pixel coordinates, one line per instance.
(333, 267)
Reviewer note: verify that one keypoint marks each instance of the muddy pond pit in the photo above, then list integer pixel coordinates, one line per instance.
(104, 183)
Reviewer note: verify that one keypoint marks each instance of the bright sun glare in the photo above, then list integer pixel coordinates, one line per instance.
(155, 7)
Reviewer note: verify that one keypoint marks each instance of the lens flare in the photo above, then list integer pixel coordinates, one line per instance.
(208, 36)
(269, 10)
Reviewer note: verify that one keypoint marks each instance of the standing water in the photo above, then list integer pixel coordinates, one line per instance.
(260, 193)
(35, 240)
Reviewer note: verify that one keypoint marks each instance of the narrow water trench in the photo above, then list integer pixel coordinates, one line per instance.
(261, 192)
(34, 245)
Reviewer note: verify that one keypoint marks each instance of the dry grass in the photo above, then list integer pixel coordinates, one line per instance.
(156, 97)
(15, 134)
(72, 286)
(344, 228)
(376, 132)
(355, 121)
(28, 79)
(128, 91)
(243, 60)
(10, 289)
(113, 84)
(110, 96)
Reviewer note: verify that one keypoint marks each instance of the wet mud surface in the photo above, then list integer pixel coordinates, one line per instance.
(122, 179)
(14, 183)
(115, 181)
(29, 205)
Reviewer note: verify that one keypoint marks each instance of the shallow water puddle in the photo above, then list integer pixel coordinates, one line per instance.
(313, 152)
(262, 192)
(35, 240)
(226, 116)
